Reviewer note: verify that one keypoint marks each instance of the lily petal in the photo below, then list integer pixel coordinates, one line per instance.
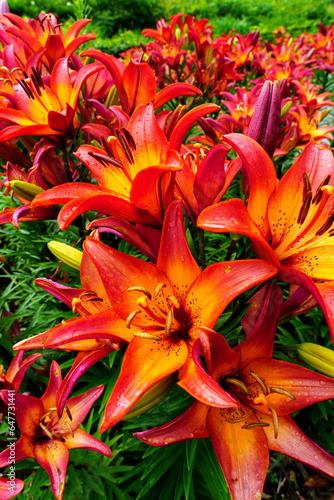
(306, 386)
(243, 454)
(49, 397)
(24, 448)
(220, 283)
(175, 258)
(190, 425)
(82, 439)
(291, 441)
(28, 411)
(52, 455)
(145, 363)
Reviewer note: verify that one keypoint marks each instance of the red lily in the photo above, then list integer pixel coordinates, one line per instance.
(135, 171)
(157, 309)
(43, 109)
(289, 224)
(136, 83)
(48, 438)
(267, 391)
(44, 35)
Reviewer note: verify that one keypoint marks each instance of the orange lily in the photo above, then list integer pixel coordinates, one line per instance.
(135, 171)
(157, 309)
(47, 437)
(289, 224)
(267, 391)
(44, 110)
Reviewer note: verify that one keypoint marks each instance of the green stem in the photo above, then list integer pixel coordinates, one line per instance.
(201, 246)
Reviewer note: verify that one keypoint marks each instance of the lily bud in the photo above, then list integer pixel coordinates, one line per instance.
(264, 124)
(319, 357)
(25, 189)
(67, 254)
(152, 397)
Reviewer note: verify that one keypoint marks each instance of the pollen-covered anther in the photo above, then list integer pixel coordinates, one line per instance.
(87, 292)
(70, 428)
(255, 424)
(125, 146)
(145, 335)
(238, 384)
(275, 421)
(104, 158)
(75, 302)
(140, 289)
(46, 431)
(307, 185)
(131, 317)
(68, 411)
(240, 419)
(304, 208)
(327, 224)
(169, 322)
(260, 382)
(158, 289)
(174, 301)
(318, 195)
(279, 390)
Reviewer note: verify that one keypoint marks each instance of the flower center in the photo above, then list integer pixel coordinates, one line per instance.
(49, 421)
(163, 312)
(254, 396)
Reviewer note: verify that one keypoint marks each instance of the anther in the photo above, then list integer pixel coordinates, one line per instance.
(260, 382)
(131, 316)
(129, 139)
(69, 426)
(304, 208)
(307, 185)
(174, 301)
(326, 225)
(318, 195)
(125, 146)
(255, 424)
(145, 335)
(275, 421)
(158, 289)
(140, 289)
(95, 299)
(104, 158)
(169, 322)
(278, 390)
(68, 412)
(88, 292)
(47, 432)
(237, 383)
(75, 302)
(240, 419)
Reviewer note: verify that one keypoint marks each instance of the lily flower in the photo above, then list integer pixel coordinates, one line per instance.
(267, 391)
(135, 171)
(290, 222)
(45, 35)
(43, 109)
(47, 437)
(157, 309)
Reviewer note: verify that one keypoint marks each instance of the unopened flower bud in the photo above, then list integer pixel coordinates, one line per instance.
(286, 108)
(67, 254)
(25, 189)
(152, 397)
(265, 122)
(319, 357)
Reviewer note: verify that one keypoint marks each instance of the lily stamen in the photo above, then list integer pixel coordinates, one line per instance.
(278, 390)
(261, 383)
(174, 301)
(304, 208)
(238, 383)
(47, 432)
(158, 289)
(131, 317)
(255, 424)
(69, 426)
(169, 322)
(140, 289)
(240, 419)
(145, 335)
(275, 421)
(68, 412)
(307, 185)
